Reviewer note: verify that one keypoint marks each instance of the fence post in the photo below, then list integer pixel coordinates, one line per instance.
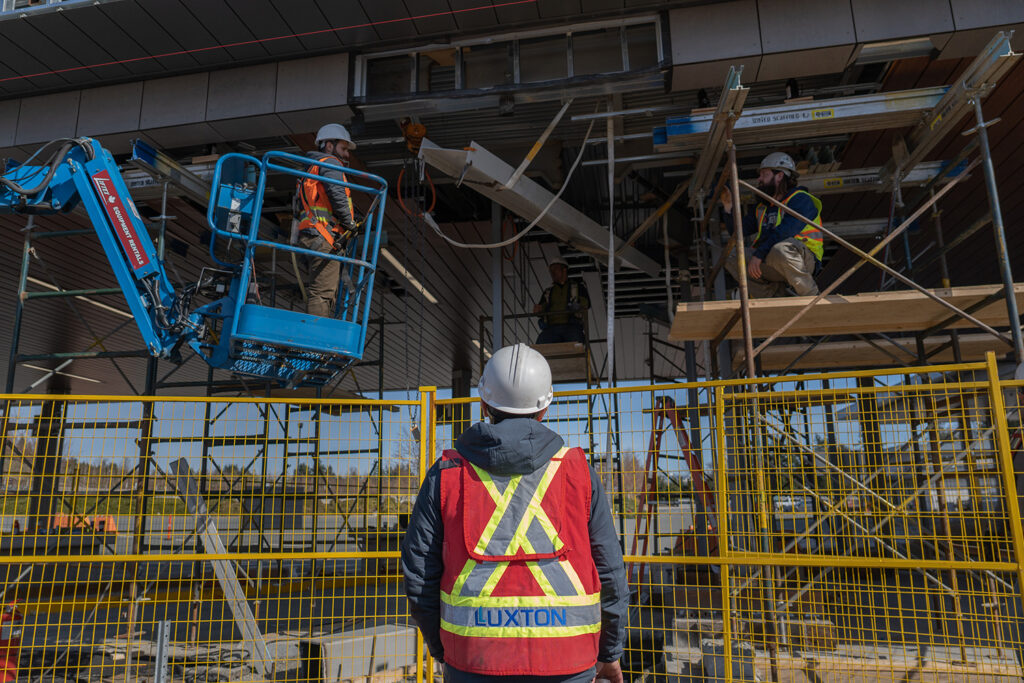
(428, 426)
(1002, 435)
(723, 536)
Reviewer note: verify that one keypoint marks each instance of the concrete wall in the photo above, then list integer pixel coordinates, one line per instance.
(776, 39)
(280, 98)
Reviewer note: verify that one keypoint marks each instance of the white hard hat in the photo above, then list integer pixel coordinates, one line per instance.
(779, 161)
(334, 131)
(516, 380)
(558, 261)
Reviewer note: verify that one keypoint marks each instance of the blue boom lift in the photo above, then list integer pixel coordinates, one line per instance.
(234, 331)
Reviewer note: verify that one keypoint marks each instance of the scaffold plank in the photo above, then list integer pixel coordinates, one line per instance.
(896, 311)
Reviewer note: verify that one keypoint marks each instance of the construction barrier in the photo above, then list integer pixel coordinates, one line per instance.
(831, 527)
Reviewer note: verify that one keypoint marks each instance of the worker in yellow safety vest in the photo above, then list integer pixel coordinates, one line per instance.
(324, 217)
(512, 565)
(784, 250)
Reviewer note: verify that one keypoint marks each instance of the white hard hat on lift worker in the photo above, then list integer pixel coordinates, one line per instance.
(517, 381)
(334, 131)
(780, 161)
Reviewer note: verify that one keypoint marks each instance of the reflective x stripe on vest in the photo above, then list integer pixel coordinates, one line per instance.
(810, 235)
(520, 527)
(315, 210)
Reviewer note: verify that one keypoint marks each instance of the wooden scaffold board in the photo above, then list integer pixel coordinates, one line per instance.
(896, 311)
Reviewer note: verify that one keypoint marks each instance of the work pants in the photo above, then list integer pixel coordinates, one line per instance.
(323, 275)
(789, 262)
(565, 332)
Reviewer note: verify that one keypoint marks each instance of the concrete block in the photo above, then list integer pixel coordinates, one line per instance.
(9, 110)
(708, 33)
(174, 101)
(789, 25)
(877, 20)
(47, 117)
(363, 654)
(110, 109)
(312, 83)
(247, 91)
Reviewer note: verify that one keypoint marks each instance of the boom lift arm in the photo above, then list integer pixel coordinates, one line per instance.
(230, 333)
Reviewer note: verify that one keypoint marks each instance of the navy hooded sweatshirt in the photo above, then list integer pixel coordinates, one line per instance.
(513, 446)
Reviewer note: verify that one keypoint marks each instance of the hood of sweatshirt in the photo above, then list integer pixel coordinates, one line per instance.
(513, 446)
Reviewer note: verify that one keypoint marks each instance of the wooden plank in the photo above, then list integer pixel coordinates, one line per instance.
(861, 354)
(897, 311)
(567, 360)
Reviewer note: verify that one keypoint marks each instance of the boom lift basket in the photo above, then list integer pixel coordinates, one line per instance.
(273, 343)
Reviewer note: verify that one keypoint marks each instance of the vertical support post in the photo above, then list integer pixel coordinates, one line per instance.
(668, 267)
(767, 602)
(428, 427)
(141, 501)
(48, 432)
(610, 332)
(19, 306)
(1000, 232)
(940, 243)
(741, 255)
(497, 289)
(721, 477)
(1002, 439)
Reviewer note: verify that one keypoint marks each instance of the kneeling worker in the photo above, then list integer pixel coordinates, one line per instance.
(511, 561)
(785, 250)
(324, 217)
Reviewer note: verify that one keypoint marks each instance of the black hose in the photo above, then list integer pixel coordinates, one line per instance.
(53, 162)
(18, 189)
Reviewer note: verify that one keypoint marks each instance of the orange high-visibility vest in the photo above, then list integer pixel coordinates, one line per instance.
(315, 207)
(520, 594)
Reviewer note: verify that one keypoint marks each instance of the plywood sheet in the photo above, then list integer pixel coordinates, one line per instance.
(897, 311)
(568, 361)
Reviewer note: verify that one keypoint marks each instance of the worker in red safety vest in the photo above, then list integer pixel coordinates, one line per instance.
(784, 250)
(324, 217)
(512, 566)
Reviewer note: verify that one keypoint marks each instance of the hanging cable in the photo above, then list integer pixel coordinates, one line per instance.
(428, 219)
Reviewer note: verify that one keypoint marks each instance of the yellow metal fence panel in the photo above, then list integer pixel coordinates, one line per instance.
(839, 527)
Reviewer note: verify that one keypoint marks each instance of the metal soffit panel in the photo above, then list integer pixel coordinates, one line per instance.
(487, 174)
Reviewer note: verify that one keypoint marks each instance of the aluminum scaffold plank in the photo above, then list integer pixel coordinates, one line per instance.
(730, 106)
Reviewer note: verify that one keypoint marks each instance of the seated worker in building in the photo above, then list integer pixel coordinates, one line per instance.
(784, 250)
(511, 561)
(562, 307)
(324, 218)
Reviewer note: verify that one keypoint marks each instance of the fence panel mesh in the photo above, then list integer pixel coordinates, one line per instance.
(840, 527)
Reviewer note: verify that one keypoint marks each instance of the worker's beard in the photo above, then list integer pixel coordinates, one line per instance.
(768, 188)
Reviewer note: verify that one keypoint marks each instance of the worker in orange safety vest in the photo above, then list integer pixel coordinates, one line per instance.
(324, 217)
(512, 566)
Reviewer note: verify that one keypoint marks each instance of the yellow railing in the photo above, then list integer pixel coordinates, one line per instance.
(850, 527)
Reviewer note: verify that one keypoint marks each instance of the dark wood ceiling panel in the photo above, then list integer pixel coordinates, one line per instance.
(147, 30)
(350, 21)
(77, 47)
(432, 16)
(265, 22)
(390, 18)
(186, 31)
(304, 16)
(553, 9)
(17, 54)
(53, 56)
(119, 44)
(592, 6)
(226, 27)
(511, 13)
(470, 17)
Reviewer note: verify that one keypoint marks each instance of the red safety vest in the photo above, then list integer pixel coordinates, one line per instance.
(520, 594)
(810, 235)
(315, 210)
